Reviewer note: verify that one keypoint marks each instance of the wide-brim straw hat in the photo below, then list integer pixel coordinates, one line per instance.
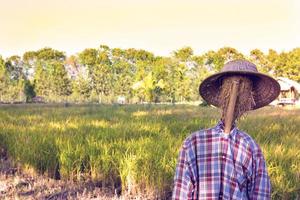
(265, 88)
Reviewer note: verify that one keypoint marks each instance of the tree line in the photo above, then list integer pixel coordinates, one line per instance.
(103, 74)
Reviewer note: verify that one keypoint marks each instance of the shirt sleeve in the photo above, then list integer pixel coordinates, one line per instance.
(183, 185)
(260, 185)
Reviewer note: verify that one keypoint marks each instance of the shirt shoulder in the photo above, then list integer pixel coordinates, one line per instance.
(245, 139)
(198, 137)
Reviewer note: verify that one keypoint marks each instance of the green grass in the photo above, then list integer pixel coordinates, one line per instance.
(138, 145)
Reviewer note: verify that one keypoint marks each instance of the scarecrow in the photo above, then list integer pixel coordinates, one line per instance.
(224, 162)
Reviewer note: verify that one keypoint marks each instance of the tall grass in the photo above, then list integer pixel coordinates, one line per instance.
(137, 146)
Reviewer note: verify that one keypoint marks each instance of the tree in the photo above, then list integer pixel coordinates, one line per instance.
(163, 78)
(103, 57)
(3, 79)
(228, 54)
(293, 65)
(14, 66)
(61, 85)
(122, 79)
(101, 78)
(29, 91)
(197, 74)
(184, 54)
(286, 64)
(117, 53)
(135, 73)
(104, 47)
(149, 83)
(213, 61)
(11, 84)
(88, 57)
(159, 69)
(41, 81)
(81, 88)
(216, 60)
(143, 68)
(29, 61)
(47, 54)
(261, 61)
(134, 55)
(43, 67)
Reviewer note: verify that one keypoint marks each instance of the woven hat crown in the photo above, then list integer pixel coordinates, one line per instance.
(265, 88)
(239, 65)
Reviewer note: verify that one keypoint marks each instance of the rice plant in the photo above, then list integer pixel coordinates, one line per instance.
(136, 146)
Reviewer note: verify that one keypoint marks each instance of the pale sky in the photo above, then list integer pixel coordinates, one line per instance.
(160, 26)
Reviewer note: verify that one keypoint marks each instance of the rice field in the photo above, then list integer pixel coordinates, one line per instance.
(135, 147)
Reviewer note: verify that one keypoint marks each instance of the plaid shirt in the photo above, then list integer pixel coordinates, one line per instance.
(215, 165)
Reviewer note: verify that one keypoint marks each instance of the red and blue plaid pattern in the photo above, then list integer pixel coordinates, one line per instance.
(215, 165)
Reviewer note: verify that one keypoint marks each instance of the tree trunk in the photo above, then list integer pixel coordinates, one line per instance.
(100, 97)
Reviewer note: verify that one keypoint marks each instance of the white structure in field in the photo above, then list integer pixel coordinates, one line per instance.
(289, 91)
(121, 100)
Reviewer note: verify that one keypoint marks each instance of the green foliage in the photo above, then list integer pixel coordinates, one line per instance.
(81, 89)
(14, 67)
(88, 57)
(216, 60)
(102, 80)
(29, 91)
(52, 81)
(29, 56)
(261, 61)
(61, 85)
(285, 64)
(103, 74)
(122, 77)
(50, 77)
(288, 64)
(134, 55)
(3, 78)
(184, 54)
(103, 58)
(11, 82)
(47, 54)
(41, 82)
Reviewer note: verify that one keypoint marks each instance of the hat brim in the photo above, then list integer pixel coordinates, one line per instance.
(266, 89)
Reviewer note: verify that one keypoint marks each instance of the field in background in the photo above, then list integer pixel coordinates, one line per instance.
(135, 147)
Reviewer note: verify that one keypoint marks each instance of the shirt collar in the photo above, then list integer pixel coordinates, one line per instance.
(220, 129)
